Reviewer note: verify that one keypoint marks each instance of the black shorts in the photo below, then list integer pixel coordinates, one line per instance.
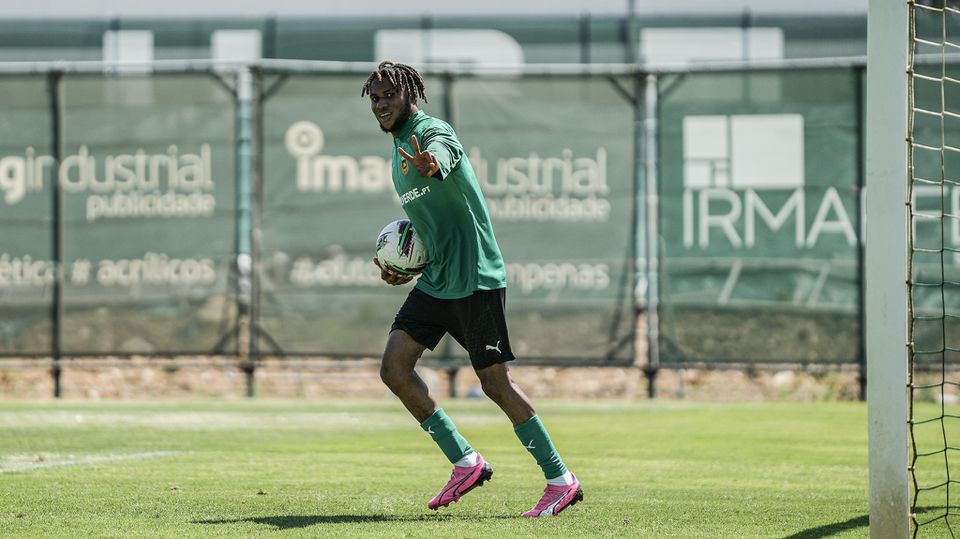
(478, 322)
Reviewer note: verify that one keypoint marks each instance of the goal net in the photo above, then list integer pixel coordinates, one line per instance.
(933, 266)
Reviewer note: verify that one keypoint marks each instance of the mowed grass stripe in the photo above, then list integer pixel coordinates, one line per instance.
(26, 463)
(365, 469)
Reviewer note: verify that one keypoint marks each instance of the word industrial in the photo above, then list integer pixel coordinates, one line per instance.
(138, 184)
(528, 188)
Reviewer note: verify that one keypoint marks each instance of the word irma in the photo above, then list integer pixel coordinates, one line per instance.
(701, 216)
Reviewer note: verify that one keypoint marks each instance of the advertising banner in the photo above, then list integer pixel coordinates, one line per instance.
(557, 175)
(760, 216)
(146, 173)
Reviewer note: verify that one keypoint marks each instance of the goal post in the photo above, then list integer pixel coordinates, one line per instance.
(886, 266)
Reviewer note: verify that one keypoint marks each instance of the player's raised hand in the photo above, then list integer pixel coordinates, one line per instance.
(425, 162)
(391, 277)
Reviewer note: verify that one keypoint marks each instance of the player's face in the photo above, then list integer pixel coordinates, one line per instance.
(390, 105)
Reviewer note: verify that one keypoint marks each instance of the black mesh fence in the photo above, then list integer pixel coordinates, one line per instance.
(758, 202)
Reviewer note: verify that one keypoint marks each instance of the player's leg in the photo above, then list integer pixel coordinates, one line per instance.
(418, 326)
(486, 339)
(397, 371)
(563, 488)
(497, 384)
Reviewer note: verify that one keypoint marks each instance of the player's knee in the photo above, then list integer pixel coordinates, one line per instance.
(388, 376)
(392, 375)
(493, 386)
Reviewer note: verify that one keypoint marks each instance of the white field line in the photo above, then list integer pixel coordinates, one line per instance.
(195, 421)
(79, 461)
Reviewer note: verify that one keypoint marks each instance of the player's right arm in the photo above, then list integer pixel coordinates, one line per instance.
(391, 277)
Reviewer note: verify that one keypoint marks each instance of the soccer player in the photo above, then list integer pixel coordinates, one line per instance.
(461, 291)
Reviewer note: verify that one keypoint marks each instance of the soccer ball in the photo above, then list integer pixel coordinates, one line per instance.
(400, 249)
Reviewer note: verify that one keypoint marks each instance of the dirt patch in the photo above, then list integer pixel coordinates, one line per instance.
(325, 378)
(814, 352)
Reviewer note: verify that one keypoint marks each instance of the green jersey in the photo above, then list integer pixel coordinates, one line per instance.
(448, 212)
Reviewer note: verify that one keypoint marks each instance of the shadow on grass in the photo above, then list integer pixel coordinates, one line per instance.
(830, 529)
(864, 521)
(288, 522)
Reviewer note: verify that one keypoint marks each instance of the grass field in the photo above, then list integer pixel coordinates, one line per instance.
(365, 469)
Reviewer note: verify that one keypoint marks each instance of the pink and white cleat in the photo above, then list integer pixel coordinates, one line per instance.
(556, 499)
(462, 480)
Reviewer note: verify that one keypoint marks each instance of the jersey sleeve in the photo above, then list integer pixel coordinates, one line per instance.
(442, 142)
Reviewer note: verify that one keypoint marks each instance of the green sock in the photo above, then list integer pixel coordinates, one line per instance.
(533, 435)
(444, 433)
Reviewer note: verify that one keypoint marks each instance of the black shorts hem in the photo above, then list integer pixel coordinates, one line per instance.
(426, 341)
(480, 364)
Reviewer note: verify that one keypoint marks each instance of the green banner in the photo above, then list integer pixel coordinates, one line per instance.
(759, 216)
(26, 244)
(147, 180)
(556, 161)
(327, 193)
(558, 177)
(759, 213)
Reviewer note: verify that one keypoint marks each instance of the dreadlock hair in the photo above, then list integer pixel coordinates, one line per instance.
(401, 76)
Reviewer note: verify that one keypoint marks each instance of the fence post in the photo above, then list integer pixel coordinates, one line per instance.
(630, 34)
(585, 37)
(649, 203)
(244, 229)
(861, 182)
(452, 381)
(55, 89)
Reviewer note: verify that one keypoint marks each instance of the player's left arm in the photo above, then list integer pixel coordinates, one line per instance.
(441, 153)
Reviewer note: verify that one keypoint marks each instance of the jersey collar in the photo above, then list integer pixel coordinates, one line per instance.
(407, 130)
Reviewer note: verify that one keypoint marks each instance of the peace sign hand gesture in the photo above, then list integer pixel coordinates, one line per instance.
(425, 162)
